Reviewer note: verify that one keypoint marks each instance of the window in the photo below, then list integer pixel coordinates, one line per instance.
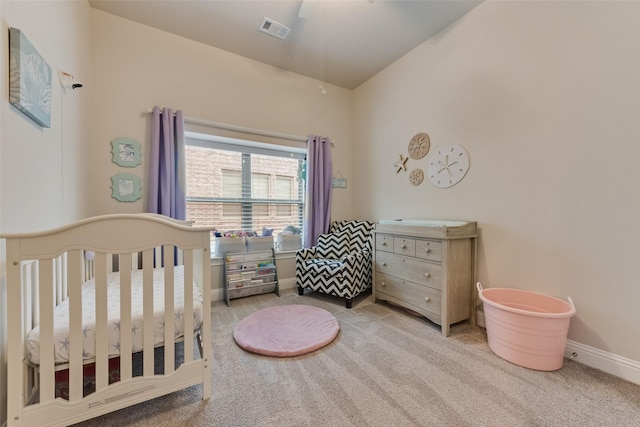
(260, 190)
(284, 190)
(232, 185)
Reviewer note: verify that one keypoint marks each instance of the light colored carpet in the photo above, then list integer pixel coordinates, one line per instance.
(385, 368)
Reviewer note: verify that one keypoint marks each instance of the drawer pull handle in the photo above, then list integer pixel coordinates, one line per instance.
(427, 275)
(427, 250)
(384, 284)
(384, 264)
(403, 246)
(384, 243)
(427, 299)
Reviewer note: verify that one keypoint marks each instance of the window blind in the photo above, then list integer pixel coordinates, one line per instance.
(234, 185)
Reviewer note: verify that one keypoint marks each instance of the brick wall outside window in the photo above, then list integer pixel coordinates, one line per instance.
(204, 179)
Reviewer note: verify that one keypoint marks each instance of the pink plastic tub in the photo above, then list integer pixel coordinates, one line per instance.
(526, 328)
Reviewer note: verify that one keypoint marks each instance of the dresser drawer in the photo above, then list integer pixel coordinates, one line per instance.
(412, 269)
(384, 243)
(429, 249)
(403, 246)
(416, 295)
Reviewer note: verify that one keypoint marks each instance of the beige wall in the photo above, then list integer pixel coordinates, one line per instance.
(43, 170)
(136, 67)
(545, 98)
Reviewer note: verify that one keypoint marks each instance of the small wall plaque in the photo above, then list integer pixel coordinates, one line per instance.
(339, 181)
(125, 187)
(126, 152)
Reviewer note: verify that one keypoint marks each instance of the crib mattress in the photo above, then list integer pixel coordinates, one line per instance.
(61, 316)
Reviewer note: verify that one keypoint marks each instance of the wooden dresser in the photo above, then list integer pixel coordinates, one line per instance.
(428, 267)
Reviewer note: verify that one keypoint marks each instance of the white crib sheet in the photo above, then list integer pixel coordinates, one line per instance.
(61, 316)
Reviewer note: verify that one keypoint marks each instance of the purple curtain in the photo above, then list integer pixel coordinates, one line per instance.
(167, 177)
(319, 178)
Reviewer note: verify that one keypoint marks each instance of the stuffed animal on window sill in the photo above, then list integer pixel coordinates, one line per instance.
(290, 229)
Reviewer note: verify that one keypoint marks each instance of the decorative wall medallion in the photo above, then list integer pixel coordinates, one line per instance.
(416, 177)
(419, 145)
(401, 164)
(448, 165)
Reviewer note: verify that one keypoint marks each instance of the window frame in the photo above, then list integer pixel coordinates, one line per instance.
(248, 148)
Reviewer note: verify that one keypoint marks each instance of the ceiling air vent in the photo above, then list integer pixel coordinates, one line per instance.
(274, 28)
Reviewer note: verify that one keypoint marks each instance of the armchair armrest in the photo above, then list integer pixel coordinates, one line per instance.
(305, 253)
(357, 257)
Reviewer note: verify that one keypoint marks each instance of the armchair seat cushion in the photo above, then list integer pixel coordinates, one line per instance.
(325, 267)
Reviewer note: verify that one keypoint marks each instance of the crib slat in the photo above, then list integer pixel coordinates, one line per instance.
(31, 317)
(169, 337)
(28, 282)
(102, 326)
(148, 321)
(57, 268)
(47, 371)
(61, 278)
(74, 275)
(205, 288)
(188, 305)
(125, 317)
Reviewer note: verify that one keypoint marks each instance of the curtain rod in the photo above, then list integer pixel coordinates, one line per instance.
(242, 129)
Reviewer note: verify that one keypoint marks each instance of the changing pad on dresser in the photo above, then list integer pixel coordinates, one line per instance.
(434, 228)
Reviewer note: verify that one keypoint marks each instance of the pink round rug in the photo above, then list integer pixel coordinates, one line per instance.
(286, 330)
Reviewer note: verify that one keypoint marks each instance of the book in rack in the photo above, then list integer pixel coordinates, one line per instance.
(249, 273)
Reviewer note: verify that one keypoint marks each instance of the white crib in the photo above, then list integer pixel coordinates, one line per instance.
(47, 275)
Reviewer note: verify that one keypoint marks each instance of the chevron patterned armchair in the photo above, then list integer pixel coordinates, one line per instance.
(340, 263)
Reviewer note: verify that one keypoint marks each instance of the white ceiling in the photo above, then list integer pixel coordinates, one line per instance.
(342, 42)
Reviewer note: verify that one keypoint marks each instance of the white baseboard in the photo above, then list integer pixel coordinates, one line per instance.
(610, 363)
(480, 319)
(289, 283)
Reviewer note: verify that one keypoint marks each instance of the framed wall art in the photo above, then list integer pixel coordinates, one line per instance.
(125, 187)
(126, 152)
(29, 79)
(338, 181)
